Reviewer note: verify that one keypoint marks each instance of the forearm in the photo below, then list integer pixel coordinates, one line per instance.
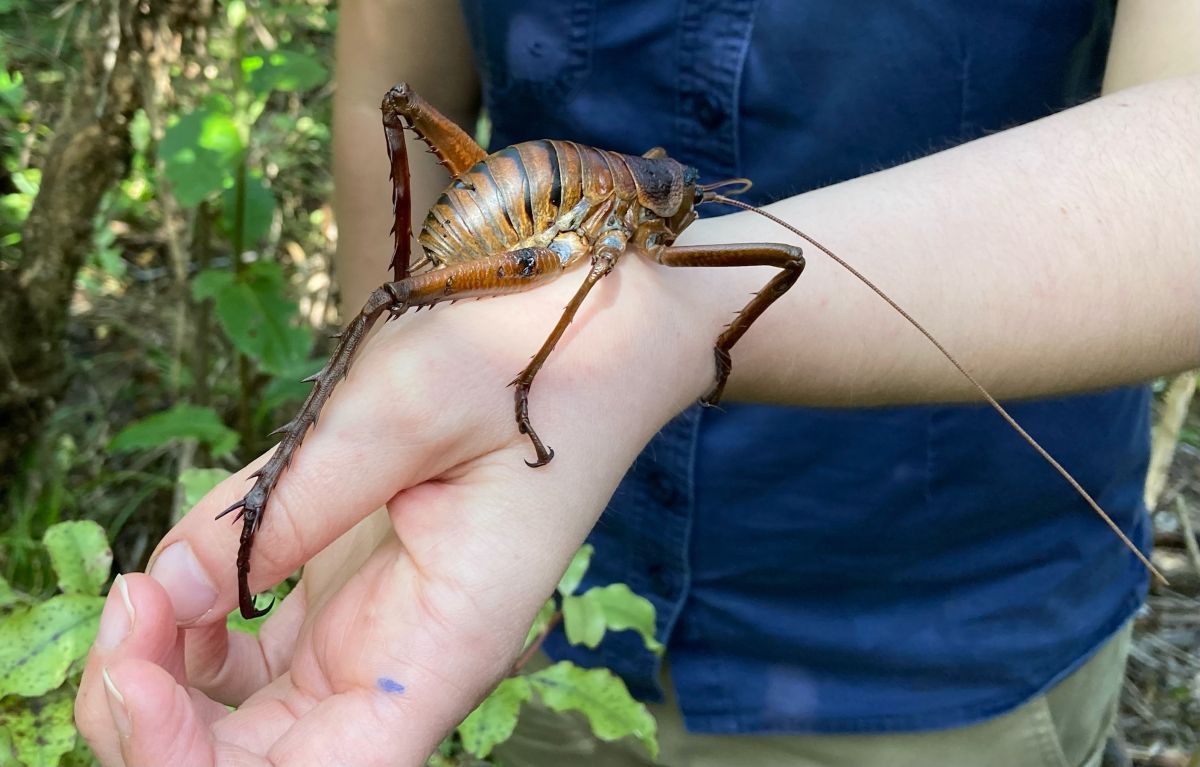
(1057, 256)
(381, 42)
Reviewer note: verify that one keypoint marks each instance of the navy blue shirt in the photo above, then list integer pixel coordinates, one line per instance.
(834, 570)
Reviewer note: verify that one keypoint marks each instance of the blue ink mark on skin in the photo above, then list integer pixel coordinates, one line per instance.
(388, 684)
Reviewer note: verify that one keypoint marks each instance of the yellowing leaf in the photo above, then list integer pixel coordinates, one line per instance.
(600, 696)
(495, 719)
(574, 574)
(41, 729)
(583, 620)
(622, 609)
(80, 555)
(39, 644)
(197, 482)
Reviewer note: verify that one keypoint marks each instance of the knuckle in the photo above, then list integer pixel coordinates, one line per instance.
(281, 543)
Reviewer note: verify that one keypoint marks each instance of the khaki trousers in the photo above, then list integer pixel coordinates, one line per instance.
(1065, 727)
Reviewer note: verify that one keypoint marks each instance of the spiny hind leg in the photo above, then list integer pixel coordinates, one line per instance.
(403, 108)
(510, 272)
(788, 258)
(449, 143)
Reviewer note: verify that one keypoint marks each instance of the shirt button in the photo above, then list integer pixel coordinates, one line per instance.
(662, 579)
(709, 111)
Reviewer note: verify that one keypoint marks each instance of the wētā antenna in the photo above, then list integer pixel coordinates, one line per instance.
(710, 196)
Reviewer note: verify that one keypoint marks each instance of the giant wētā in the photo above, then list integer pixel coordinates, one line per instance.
(520, 217)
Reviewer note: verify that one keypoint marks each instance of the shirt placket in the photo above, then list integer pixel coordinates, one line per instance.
(714, 37)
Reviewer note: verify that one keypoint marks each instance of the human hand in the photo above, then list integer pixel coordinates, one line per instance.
(391, 639)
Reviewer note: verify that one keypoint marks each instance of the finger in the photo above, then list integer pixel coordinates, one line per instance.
(425, 645)
(156, 721)
(350, 464)
(230, 666)
(137, 622)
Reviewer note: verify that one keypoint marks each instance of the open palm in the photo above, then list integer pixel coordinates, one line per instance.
(400, 623)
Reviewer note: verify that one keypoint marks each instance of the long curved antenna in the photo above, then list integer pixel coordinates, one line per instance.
(711, 197)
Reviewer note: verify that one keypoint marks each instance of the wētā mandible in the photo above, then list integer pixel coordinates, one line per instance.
(519, 218)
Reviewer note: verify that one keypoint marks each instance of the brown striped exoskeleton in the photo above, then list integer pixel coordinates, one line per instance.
(519, 218)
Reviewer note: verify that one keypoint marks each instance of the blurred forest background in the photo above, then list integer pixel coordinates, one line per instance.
(166, 240)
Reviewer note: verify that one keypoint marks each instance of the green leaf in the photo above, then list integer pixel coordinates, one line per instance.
(27, 182)
(495, 719)
(288, 386)
(283, 70)
(600, 696)
(545, 613)
(39, 644)
(80, 555)
(40, 730)
(256, 314)
(197, 482)
(183, 421)
(260, 211)
(235, 622)
(622, 609)
(199, 153)
(574, 574)
(8, 597)
(583, 620)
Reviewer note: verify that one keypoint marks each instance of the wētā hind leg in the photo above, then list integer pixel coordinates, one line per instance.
(511, 272)
(787, 257)
(403, 108)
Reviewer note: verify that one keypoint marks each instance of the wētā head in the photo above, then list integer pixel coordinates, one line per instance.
(669, 191)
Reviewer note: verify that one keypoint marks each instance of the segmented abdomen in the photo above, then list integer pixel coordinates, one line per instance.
(516, 193)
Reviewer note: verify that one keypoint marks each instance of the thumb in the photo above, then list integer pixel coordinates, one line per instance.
(155, 718)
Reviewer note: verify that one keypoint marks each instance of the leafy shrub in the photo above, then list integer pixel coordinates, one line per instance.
(42, 647)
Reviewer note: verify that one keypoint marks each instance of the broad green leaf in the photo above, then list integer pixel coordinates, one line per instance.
(256, 314)
(80, 556)
(197, 482)
(545, 613)
(183, 421)
(622, 609)
(41, 730)
(38, 644)
(8, 597)
(600, 696)
(574, 574)
(288, 385)
(583, 620)
(200, 152)
(495, 719)
(283, 70)
(260, 210)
